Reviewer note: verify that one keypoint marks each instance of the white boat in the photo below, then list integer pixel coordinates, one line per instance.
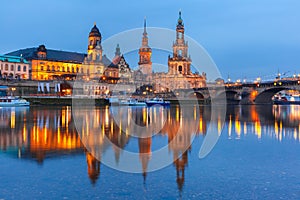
(132, 102)
(10, 101)
(157, 101)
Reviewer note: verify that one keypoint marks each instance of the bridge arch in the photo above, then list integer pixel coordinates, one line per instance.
(265, 97)
(196, 94)
(230, 94)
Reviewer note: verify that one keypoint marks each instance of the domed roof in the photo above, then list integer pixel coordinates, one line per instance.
(95, 32)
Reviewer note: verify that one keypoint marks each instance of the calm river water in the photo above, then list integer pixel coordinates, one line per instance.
(56, 153)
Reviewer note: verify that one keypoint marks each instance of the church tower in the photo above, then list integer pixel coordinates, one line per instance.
(92, 66)
(180, 62)
(145, 64)
(94, 38)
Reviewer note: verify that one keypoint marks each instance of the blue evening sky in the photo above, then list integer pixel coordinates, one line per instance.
(245, 38)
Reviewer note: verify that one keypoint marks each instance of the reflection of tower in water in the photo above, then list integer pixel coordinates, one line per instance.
(145, 153)
(93, 167)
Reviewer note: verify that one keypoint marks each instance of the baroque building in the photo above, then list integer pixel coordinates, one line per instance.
(95, 62)
(145, 52)
(179, 75)
(49, 64)
(13, 67)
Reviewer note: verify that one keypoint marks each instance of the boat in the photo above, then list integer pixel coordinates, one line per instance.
(127, 102)
(132, 102)
(286, 99)
(136, 102)
(157, 101)
(11, 101)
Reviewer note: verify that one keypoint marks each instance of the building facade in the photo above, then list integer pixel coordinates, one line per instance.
(94, 63)
(48, 64)
(13, 67)
(179, 75)
(145, 52)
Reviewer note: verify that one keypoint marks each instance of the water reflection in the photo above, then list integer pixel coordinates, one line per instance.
(39, 133)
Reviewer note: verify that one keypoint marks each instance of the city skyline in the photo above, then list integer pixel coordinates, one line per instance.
(245, 39)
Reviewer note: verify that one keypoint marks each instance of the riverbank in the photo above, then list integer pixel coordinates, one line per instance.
(69, 101)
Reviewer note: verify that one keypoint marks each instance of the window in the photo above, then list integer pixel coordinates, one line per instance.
(42, 68)
(53, 68)
(68, 69)
(180, 35)
(77, 69)
(24, 68)
(19, 68)
(179, 53)
(6, 67)
(1, 66)
(11, 68)
(48, 68)
(180, 69)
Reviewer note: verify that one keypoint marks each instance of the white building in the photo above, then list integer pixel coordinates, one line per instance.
(14, 67)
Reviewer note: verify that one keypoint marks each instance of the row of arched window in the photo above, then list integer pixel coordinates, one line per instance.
(12, 68)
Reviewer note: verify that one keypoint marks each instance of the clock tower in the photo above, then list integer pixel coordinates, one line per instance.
(145, 64)
(180, 62)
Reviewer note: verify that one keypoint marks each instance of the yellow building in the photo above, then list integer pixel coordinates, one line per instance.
(49, 64)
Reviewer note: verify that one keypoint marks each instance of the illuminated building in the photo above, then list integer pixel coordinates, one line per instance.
(125, 73)
(179, 75)
(49, 64)
(95, 62)
(14, 67)
(145, 64)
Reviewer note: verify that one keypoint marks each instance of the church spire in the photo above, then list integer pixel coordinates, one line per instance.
(145, 35)
(118, 51)
(145, 31)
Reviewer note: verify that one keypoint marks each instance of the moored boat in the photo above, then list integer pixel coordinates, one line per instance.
(10, 101)
(286, 99)
(157, 101)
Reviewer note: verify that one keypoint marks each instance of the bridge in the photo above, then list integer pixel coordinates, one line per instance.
(244, 93)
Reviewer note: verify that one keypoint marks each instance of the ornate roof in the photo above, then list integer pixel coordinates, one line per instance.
(95, 32)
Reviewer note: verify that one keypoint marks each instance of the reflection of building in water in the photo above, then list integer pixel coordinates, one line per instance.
(93, 167)
(277, 122)
(145, 153)
(41, 132)
(180, 129)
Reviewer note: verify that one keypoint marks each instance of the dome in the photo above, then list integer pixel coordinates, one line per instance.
(95, 32)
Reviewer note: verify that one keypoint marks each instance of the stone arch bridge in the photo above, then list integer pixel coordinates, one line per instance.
(248, 93)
